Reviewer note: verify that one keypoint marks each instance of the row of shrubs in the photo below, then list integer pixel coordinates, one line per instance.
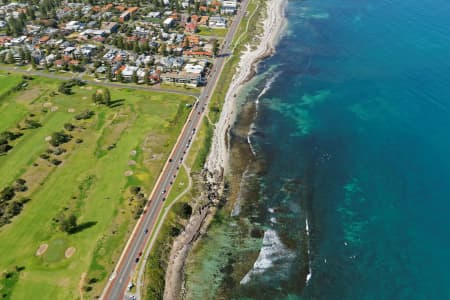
(10, 204)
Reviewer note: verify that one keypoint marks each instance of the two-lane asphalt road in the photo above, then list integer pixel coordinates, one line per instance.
(120, 278)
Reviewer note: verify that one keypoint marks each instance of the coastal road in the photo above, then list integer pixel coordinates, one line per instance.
(123, 272)
(95, 82)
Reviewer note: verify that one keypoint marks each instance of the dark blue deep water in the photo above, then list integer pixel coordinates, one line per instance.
(351, 135)
(359, 117)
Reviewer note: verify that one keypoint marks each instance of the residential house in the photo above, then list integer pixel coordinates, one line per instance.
(203, 20)
(109, 27)
(181, 78)
(125, 16)
(217, 22)
(128, 71)
(228, 7)
(168, 22)
(190, 28)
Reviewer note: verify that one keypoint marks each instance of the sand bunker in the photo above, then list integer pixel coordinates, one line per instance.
(131, 162)
(48, 138)
(41, 250)
(133, 152)
(69, 252)
(54, 108)
(128, 173)
(71, 110)
(47, 104)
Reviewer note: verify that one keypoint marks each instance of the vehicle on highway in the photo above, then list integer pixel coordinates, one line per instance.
(146, 231)
(137, 259)
(164, 199)
(163, 192)
(140, 253)
(170, 160)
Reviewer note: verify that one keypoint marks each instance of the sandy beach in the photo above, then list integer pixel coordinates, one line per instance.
(217, 161)
(273, 26)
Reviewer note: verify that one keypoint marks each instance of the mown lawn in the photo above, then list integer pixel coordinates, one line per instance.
(134, 137)
(217, 32)
(8, 81)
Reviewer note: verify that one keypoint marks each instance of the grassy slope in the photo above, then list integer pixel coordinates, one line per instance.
(146, 116)
(8, 82)
(10, 111)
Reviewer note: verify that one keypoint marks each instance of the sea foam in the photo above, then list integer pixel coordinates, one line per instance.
(272, 251)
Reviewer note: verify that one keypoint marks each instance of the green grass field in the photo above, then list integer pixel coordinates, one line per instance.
(134, 138)
(8, 82)
(216, 32)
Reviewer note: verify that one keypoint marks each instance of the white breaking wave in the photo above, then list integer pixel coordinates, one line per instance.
(272, 251)
(308, 276)
(249, 141)
(267, 86)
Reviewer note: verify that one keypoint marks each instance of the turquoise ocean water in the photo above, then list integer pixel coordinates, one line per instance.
(354, 129)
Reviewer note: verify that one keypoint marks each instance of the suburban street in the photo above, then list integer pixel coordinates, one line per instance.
(126, 266)
(96, 82)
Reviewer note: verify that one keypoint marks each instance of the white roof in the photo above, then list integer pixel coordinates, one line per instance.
(168, 21)
(196, 69)
(230, 4)
(129, 70)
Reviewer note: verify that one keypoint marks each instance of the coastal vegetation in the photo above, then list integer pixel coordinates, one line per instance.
(67, 180)
(247, 34)
(179, 214)
(159, 256)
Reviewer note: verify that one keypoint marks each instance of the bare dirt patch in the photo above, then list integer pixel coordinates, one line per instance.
(28, 96)
(41, 250)
(81, 283)
(47, 104)
(69, 252)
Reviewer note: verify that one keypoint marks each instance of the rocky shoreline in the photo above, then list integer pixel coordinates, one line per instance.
(217, 163)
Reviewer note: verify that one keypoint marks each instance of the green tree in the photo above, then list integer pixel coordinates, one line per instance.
(215, 47)
(68, 223)
(106, 96)
(134, 77)
(59, 137)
